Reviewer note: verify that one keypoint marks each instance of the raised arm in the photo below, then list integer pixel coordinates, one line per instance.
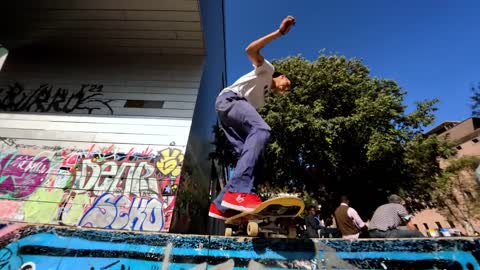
(253, 50)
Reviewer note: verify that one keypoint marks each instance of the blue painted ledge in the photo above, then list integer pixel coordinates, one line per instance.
(45, 247)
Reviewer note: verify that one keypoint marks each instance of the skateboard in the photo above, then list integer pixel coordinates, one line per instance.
(273, 217)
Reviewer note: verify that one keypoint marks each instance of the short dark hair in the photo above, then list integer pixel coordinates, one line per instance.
(277, 74)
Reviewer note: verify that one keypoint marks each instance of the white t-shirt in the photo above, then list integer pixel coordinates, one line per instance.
(254, 85)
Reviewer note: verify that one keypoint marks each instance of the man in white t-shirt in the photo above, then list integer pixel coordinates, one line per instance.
(244, 128)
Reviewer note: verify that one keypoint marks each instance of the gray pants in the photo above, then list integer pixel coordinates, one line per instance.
(395, 233)
(249, 134)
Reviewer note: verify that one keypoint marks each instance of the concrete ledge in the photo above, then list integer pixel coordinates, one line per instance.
(46, 247)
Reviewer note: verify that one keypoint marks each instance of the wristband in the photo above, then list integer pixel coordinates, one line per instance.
(281, 32)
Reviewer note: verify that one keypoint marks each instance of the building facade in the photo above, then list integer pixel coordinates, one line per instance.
(98, 103)
(461, 210)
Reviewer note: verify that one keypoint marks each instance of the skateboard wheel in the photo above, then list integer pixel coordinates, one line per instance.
(228, 231)
(252, 229)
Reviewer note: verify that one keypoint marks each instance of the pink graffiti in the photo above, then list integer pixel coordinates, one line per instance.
(147, 151)
(21, 174)
(90, 150)
(108, 150)
(9, 209)
(127, 157)
(69, 158)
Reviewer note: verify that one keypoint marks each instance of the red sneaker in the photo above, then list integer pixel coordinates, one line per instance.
(216, 213)
(241, 201)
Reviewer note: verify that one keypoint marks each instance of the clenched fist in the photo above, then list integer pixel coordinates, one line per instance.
(286, 24)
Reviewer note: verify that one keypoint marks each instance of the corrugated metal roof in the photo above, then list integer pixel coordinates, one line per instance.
(113, 26)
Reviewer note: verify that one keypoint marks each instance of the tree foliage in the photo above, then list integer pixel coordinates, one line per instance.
(342, 131)
(456, 185)
(475, 98)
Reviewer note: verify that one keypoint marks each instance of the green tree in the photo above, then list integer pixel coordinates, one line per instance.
(456, 185)
(475, 106)
(342, 131)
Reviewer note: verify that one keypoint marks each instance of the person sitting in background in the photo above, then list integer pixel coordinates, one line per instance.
(387, 219)
(315, 227)
(348, 221)
(312, 223)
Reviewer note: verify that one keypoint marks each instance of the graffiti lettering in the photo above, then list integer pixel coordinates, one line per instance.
(119, 212)
(5, 256)
(8, 141)
(170, 162)
(60, 186)
(128, 178)
(21, 174)
(46, 99)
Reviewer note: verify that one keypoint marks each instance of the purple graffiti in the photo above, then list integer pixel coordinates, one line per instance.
(21, 174)
(111, 212)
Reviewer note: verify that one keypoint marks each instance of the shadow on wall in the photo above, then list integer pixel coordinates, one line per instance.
(191, 201)
(47, 247)
(193, 198)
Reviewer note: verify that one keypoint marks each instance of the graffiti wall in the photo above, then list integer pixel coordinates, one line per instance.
(99, 187)
(47, 98)
(59, 248)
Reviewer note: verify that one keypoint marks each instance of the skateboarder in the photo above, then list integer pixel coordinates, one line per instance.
(237, 106)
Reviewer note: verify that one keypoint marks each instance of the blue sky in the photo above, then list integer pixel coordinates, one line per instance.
(431, 48)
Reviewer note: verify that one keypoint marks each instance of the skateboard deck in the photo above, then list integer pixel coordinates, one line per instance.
(272, 216)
